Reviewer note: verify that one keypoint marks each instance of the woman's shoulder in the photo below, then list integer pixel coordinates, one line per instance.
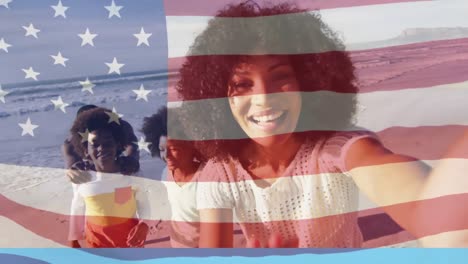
(334, 149)
(342, 140)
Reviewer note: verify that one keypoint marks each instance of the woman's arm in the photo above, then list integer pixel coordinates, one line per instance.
(216, 228)
(410, 192)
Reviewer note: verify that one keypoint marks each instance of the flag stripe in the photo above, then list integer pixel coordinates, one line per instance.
(392, 68)
(412, 108)
(39, 221)
(210, 8)
(428, 143)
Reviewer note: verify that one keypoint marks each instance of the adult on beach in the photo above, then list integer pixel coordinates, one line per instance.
(285, 157)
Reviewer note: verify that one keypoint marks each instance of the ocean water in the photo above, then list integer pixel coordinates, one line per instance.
(33, 100)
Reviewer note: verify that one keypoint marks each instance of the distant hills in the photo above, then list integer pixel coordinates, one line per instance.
(413, 35)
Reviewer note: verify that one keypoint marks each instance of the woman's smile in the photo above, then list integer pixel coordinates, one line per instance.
(264, 97)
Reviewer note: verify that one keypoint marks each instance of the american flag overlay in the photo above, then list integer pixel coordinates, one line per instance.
(396, 69)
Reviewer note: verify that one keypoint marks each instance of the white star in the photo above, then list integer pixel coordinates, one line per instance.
(3, 93)
(31, 31)
(60, 9)
(59, 104)
(4, 46)
(114, 66)
(142, 144)
(114, 116)
(87, 86)
(142, 37)
(28, 127)
(5, 3)
(87, 38)
(59, 59)
(113, 10)
(30, 73)
(142, 93)
(84, 136)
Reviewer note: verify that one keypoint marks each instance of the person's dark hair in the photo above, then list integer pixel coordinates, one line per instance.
(153, 128)
(167, 122)
(93, 120)
(318, 58)
(85, 108)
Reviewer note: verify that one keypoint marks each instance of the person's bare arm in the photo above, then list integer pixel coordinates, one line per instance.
(404, 188)
(74, 170)
(216, 228)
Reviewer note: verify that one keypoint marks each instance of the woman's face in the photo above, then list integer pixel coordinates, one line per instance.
(102, 150)
(264, 99)
(163, 147)
(174, 153)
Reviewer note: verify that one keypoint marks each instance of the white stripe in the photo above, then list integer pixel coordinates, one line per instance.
(359, 27)
(433, 106)
(54, 193)
(16, 236)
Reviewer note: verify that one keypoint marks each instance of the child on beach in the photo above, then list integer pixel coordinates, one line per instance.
(285, 157)
(76, 166)
(105, 210)
(180, 175)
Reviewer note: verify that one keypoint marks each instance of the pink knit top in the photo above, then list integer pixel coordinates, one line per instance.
(314, 201)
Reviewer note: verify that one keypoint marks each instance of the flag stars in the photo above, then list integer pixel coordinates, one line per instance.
(142, 93)
(84, 136)
(60, 9)
(31, 74)
(59, 104)
(142, 37)
(5, 3)
(4, 46)
(28, 128)
(143, 145)
(87, 86)
(87, 38)
(113, 9)
(31, 31)
(59, 59)
(3, 93)
(114, 66)
(114, 116)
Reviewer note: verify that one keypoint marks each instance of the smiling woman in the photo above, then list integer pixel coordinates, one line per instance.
(284, 156)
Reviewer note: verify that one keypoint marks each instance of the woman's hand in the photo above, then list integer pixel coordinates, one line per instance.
(137, 236)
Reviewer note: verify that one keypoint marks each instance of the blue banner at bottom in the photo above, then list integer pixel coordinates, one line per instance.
(238, 256)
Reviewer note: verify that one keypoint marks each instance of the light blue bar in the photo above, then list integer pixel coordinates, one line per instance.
(377, 256)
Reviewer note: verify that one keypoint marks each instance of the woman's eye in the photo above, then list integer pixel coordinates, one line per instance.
(237, 88)
(240, 85)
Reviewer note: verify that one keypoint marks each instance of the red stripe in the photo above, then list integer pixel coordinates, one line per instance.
(416, 65)
(409, 66)
(211, 7)
(435, 216)
(421, 143)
